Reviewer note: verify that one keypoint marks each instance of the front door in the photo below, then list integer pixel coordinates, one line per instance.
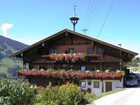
(108, 86)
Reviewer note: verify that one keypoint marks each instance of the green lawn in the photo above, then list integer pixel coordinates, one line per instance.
(7, 66)
(135, 69)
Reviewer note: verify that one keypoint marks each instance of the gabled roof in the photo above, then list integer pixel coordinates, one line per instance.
(75, 33)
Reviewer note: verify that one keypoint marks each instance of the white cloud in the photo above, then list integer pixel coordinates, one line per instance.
(5, 27)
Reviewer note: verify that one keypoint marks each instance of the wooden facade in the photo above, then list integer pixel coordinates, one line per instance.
(99, 54)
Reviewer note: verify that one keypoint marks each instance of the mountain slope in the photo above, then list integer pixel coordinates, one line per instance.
(9, 66)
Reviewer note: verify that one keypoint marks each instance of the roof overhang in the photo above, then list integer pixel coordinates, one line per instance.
(75, 33)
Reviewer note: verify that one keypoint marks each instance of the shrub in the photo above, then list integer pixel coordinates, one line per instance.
(89, 97)
(15, 92)
(49, 96)
(18, 92)
(70, 94)
(40, 90)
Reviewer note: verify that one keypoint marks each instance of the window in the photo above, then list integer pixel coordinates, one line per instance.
(83, 84)
(83, 68)
(26, 65)
(89, 83)
(99, 50)
(53, 50)
(96, 84)
(36, 67)
(71, 50)
(90, 51)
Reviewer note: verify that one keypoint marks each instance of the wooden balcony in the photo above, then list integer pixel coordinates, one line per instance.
(63, 54)
(45, 56)
(94, 55)
(65, 57)
(88, 55)
(72, 57)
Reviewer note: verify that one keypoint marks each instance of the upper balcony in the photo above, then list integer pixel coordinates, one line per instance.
(73, 54)
(75, 57)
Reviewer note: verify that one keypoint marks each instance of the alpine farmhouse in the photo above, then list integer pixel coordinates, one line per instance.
(69, 56)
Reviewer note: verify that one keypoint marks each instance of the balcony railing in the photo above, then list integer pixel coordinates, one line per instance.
(94, 55)
(66, 57)
(70, 57)
(72, 74)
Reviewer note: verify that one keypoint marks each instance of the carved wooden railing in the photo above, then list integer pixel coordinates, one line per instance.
(66, 57)
(72, 74)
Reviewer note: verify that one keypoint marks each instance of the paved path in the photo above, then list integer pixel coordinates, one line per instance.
(129, 96)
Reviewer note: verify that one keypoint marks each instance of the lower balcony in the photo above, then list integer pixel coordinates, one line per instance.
(71, 74)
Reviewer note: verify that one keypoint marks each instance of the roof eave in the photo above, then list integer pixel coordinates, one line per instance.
(79, 34)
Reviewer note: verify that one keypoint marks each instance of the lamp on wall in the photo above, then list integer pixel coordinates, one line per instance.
(43, 44)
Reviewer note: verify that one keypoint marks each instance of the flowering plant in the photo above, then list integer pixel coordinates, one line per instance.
(71, 74)
(68, 57)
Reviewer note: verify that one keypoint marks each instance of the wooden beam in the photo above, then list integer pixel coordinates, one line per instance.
(101, 66)
(95, 50)
(120, 54)
(72, 39)
(73, 43)
(121, 65)
(92, 43)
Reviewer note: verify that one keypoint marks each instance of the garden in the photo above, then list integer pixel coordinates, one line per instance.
(20, 92)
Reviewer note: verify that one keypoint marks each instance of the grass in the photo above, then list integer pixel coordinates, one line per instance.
(7, 66)
(135, 69)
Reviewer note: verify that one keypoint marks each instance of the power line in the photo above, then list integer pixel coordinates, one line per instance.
(84, 15)
(91, 4)
(96, 12)
(92, 12)
(105, 19)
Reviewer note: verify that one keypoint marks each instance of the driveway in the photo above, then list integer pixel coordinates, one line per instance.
(130, 96)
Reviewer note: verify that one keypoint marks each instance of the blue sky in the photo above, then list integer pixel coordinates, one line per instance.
(29, 21)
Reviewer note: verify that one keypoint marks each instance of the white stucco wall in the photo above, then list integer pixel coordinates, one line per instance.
(115, 84)
(93, 90)
(97, 90)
